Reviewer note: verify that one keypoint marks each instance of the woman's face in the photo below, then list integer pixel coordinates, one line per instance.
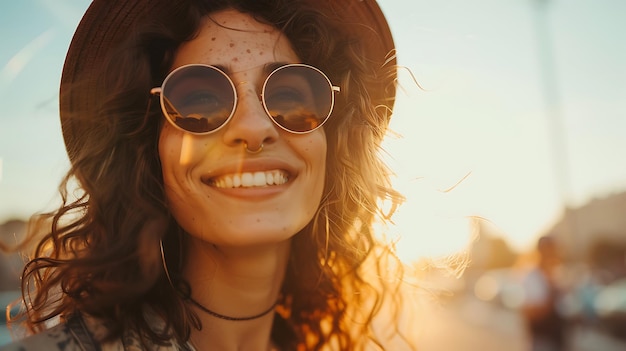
(192, 165)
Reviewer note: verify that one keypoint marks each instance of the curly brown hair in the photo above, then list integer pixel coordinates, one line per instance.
(100, 254)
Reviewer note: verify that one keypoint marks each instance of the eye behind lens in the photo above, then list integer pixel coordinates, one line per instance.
(198, 98)
(298, 97)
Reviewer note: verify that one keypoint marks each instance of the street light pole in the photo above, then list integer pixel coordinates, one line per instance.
(554, 115)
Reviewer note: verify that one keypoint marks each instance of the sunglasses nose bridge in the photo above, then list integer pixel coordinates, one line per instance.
(259, 94)
(248, 94)
(249, 123)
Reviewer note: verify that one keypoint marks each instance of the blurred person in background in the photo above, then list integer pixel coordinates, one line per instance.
(540, 309)
(226, 157)
(11, 265)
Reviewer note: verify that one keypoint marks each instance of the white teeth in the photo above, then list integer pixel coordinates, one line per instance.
(259, 179)
(248, 179)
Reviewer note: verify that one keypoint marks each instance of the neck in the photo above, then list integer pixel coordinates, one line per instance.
(235, 282)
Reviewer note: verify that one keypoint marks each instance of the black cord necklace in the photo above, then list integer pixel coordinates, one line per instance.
(228, 318)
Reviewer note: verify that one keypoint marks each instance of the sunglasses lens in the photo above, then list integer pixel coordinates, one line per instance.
(298, 97)
(198, 99)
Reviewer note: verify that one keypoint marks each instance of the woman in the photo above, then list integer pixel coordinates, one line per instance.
(226, 153)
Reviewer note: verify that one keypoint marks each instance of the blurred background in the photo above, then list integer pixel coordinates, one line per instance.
(510, 126)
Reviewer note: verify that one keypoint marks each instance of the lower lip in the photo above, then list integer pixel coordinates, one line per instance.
(252, 192)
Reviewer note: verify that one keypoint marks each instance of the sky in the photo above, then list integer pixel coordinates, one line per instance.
(522, 111)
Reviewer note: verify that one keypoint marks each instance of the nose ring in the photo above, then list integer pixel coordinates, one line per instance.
(259, 149)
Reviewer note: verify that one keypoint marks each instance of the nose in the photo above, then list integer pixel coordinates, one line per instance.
(250, 123)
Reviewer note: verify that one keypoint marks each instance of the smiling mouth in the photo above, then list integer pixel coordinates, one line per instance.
(250, 179)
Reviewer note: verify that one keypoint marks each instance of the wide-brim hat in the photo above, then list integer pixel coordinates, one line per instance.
(106, 24)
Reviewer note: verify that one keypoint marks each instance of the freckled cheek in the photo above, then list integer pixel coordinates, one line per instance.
(315, 153)
(168, 154)
(317, 145)
(170, 168)
(179, 193)
(321, 149)
(173, 175)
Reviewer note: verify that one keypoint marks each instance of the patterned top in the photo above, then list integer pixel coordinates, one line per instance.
(80, 333)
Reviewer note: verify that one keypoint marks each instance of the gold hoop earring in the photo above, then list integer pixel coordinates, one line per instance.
(327, 232)
(167, 272)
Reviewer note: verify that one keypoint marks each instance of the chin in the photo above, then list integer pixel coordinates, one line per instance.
(250, 231)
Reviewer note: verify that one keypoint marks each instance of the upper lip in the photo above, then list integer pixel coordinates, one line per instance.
(249, 165)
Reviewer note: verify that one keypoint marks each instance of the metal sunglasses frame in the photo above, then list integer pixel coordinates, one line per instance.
(163, 100)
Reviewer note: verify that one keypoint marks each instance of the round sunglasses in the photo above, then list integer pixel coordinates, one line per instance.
(201, 99)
